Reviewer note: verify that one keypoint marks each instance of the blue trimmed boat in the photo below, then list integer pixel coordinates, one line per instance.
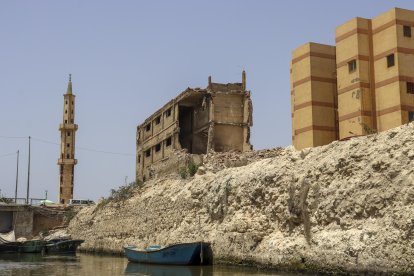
(195, 253)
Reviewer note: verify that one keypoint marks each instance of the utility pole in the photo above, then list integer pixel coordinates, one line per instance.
(28, 176)
(45, 194)
(17, 178)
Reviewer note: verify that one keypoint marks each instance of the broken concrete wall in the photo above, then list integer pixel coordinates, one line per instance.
(197, 120)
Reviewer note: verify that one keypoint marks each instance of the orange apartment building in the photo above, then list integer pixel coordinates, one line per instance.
(374, 80)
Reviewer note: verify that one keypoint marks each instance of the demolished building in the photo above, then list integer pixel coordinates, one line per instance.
(199, 120)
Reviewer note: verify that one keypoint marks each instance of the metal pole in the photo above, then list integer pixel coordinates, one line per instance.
(17, 178)
(28, 176)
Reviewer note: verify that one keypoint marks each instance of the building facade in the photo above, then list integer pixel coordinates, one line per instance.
(198, 120)
(67, 159)
(374, 78)
(314, 97)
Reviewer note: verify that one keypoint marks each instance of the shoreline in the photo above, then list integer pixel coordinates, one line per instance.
(304, 268)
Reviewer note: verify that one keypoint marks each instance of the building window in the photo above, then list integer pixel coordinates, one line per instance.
(66, 102)
(68, 133)
(71, 121)
(148, 127)
(66, 121)
(410, 116)
(168, 112)
(66, 111)
(158, 147)
(390, 60)
(407, 31)
(410, 87)
(352, 66)
(168, 141)
(68, 145)
(158, 120)
(67, 155)
(139, 158)
(148, 153)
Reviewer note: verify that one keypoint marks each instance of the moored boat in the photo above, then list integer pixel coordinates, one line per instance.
(60, 246)
(32, 246)
(178, 254)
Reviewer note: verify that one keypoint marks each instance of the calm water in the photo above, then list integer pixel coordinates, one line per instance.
(83, 264)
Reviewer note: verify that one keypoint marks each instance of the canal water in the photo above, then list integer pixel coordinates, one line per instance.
(94, 265)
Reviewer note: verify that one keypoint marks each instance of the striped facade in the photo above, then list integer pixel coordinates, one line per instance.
(373, 73)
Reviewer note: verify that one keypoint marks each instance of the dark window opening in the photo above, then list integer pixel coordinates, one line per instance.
(139, 158)
(148, 127)
(158, 147)
(68, 145)
(352, 66)
(191, 138)
(66, 111)
(71, 121)
(390, 60)
(66, 121)
(410, 87)
(148, 153)
(68, 133)
(407, 31)
(67, 155)
(158, 120)
(186, 117)
(71, 190)
(410, 116)
(168, 112)
(168, 142)
(61, 190)
(66, 102)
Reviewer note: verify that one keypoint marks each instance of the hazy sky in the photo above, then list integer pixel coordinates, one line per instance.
(128, 58)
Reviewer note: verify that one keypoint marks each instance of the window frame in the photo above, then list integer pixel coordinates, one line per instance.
(390, 60)
(410, 87)
(157, 147)
(407, 31)
(352, 66)
(157, 120)
(168, 142)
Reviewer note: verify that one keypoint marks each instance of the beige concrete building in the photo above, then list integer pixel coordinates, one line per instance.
(374, 75)
(198, 120)
(67, 159)
(314, 103)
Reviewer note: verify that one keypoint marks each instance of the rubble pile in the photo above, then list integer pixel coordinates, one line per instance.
(217, 161)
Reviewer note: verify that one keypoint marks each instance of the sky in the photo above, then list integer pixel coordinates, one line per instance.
(129, 58)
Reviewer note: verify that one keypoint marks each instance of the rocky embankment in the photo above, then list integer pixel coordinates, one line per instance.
(347, 206)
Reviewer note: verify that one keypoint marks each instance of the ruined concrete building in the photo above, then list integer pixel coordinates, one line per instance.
(216, 118)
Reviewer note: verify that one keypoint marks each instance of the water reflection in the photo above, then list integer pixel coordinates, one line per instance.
(164, 270)
(25, 264)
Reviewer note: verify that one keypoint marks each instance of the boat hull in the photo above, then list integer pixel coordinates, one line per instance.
(179, 254)
(33, 246)
(62, 246)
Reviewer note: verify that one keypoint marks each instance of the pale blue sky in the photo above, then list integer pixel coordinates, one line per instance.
(128, 58)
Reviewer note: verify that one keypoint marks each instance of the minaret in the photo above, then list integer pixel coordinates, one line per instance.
(67, 159)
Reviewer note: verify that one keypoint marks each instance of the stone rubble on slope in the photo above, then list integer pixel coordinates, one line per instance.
(347, 205)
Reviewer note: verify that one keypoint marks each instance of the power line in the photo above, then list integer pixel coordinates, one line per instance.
(85, 149)
(80, 148)
(8, 154)
(13, 137)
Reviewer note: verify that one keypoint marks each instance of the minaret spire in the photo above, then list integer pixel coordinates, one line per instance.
(67, 159)
(69, 90)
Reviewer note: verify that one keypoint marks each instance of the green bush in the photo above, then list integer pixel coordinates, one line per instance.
(192, 169)
(183, 172)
